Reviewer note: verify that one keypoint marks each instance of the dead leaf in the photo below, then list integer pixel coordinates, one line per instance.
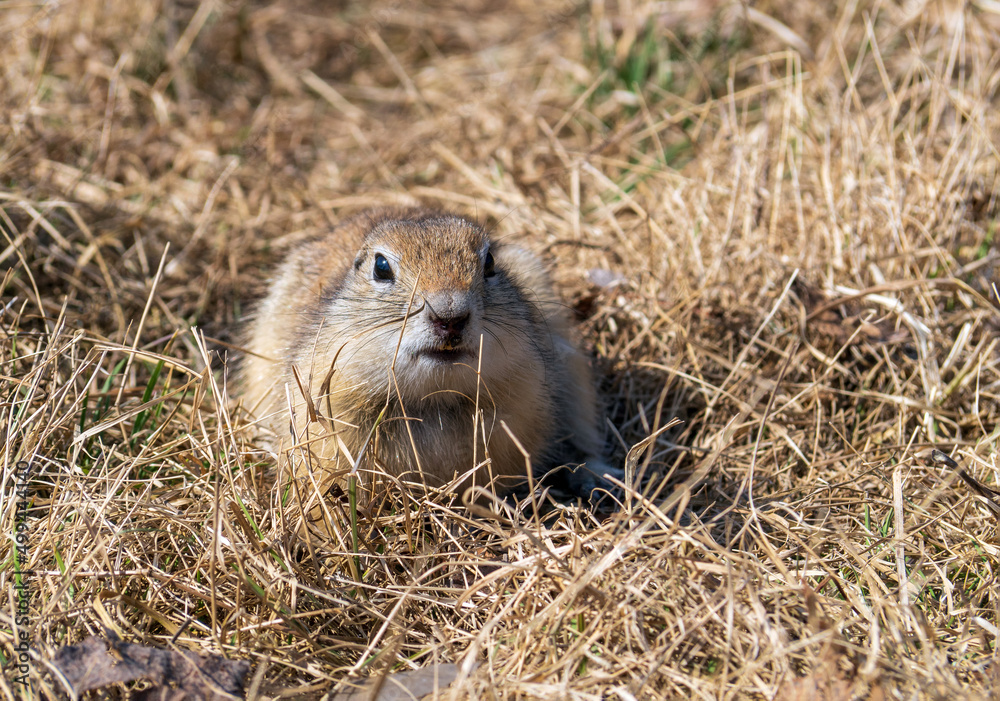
(843, 319)
(402, 686)
(93, 664)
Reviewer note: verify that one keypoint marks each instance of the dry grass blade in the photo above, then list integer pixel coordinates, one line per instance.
(990, 496)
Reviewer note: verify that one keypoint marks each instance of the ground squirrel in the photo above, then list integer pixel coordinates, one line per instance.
(418, 322)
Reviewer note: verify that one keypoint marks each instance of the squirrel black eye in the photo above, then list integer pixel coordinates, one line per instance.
(382, 269)
(489, 269)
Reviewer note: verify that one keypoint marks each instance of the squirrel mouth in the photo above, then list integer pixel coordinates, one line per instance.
(445, 355)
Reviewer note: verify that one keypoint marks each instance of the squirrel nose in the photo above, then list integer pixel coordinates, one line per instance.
(449, 328)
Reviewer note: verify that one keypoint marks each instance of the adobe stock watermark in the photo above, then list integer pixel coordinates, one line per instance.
(22, 575)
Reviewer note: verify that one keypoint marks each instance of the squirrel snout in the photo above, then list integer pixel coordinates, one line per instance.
(448, 316)
(449, 328)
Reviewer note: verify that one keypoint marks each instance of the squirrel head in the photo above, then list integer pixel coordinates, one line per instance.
(424, 295)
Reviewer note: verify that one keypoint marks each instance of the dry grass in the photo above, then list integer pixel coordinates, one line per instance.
(800, 202)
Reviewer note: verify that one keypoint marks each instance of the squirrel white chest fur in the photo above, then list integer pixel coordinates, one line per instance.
(408, 342)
